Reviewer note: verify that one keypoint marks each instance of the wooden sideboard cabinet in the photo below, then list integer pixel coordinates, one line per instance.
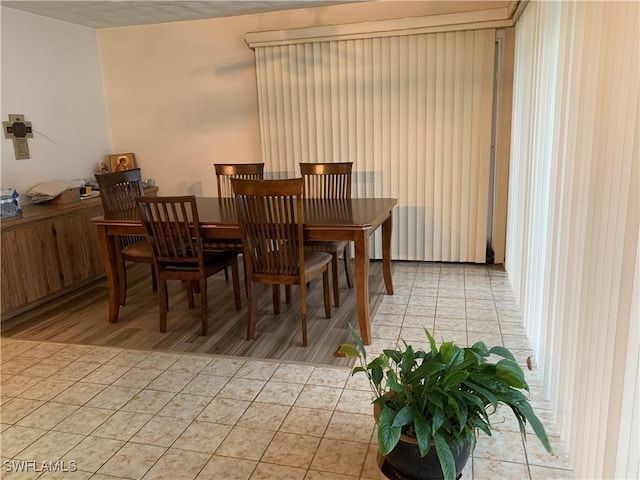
(51, 250)
(48, 251)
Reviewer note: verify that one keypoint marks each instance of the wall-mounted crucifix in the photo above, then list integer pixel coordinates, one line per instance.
(18, 130)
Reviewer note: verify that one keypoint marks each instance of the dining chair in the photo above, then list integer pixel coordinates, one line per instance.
(331, 181)
(271, 217)
(118, 191)
(224, 173)
(172, 227)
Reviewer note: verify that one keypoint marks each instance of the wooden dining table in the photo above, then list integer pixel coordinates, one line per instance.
(352, 220)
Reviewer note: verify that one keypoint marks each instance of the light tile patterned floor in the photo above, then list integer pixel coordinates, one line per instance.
(113, 413)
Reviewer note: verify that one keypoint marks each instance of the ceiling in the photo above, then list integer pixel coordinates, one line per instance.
(105, 14)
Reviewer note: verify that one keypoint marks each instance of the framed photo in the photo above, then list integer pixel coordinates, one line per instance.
(122, 161)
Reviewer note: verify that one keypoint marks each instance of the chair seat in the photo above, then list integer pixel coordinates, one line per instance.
(211, 259)
(137, 251)
(334, 248)
(315, 261)
(325, 246)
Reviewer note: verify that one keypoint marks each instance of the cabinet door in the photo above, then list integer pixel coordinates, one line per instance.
(78, 247)
(30, 267)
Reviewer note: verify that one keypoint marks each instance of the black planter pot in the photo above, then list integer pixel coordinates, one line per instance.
(404, 461)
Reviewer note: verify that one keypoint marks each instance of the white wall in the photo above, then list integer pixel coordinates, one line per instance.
(51, 73)
(574, 214)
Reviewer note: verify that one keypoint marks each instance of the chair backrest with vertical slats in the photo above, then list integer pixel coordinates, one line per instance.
(118, 190)
(226, 171)
(173, 229)
(327, 180)
(271, 220)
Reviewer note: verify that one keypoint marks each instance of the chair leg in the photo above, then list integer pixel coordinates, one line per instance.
(122, 272)
(336, 278)
(226, 274)
(275, 293)
(236, 284)
(162, 305)
(204, 304)
(251, 314)
(303, 312)
(154, 281)
(287, 294)
(190, 288)
(246, 277)
(347, 265)
(327, 296)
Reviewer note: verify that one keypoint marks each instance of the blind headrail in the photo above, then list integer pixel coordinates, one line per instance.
(475, 20)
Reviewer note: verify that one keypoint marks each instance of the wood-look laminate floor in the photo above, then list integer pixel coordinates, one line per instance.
(81, 318)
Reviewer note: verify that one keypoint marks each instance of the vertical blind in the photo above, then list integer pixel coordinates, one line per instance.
(573, 222)
(412, 112)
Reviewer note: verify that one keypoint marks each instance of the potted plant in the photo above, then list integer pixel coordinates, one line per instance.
(430, 405)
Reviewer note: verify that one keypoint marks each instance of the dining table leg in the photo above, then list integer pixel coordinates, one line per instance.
(386, 254)
(361, 243)
(109, 250)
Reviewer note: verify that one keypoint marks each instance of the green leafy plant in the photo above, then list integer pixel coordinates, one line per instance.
(442, 397)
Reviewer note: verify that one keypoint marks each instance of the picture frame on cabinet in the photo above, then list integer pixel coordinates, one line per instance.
(120, 162)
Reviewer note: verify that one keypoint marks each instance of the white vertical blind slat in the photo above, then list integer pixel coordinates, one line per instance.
(420, 180)
(437, 159)
(430, 152)
(305, 113)
(458, 89)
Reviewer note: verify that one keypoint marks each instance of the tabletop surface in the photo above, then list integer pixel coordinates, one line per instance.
(360, 212)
